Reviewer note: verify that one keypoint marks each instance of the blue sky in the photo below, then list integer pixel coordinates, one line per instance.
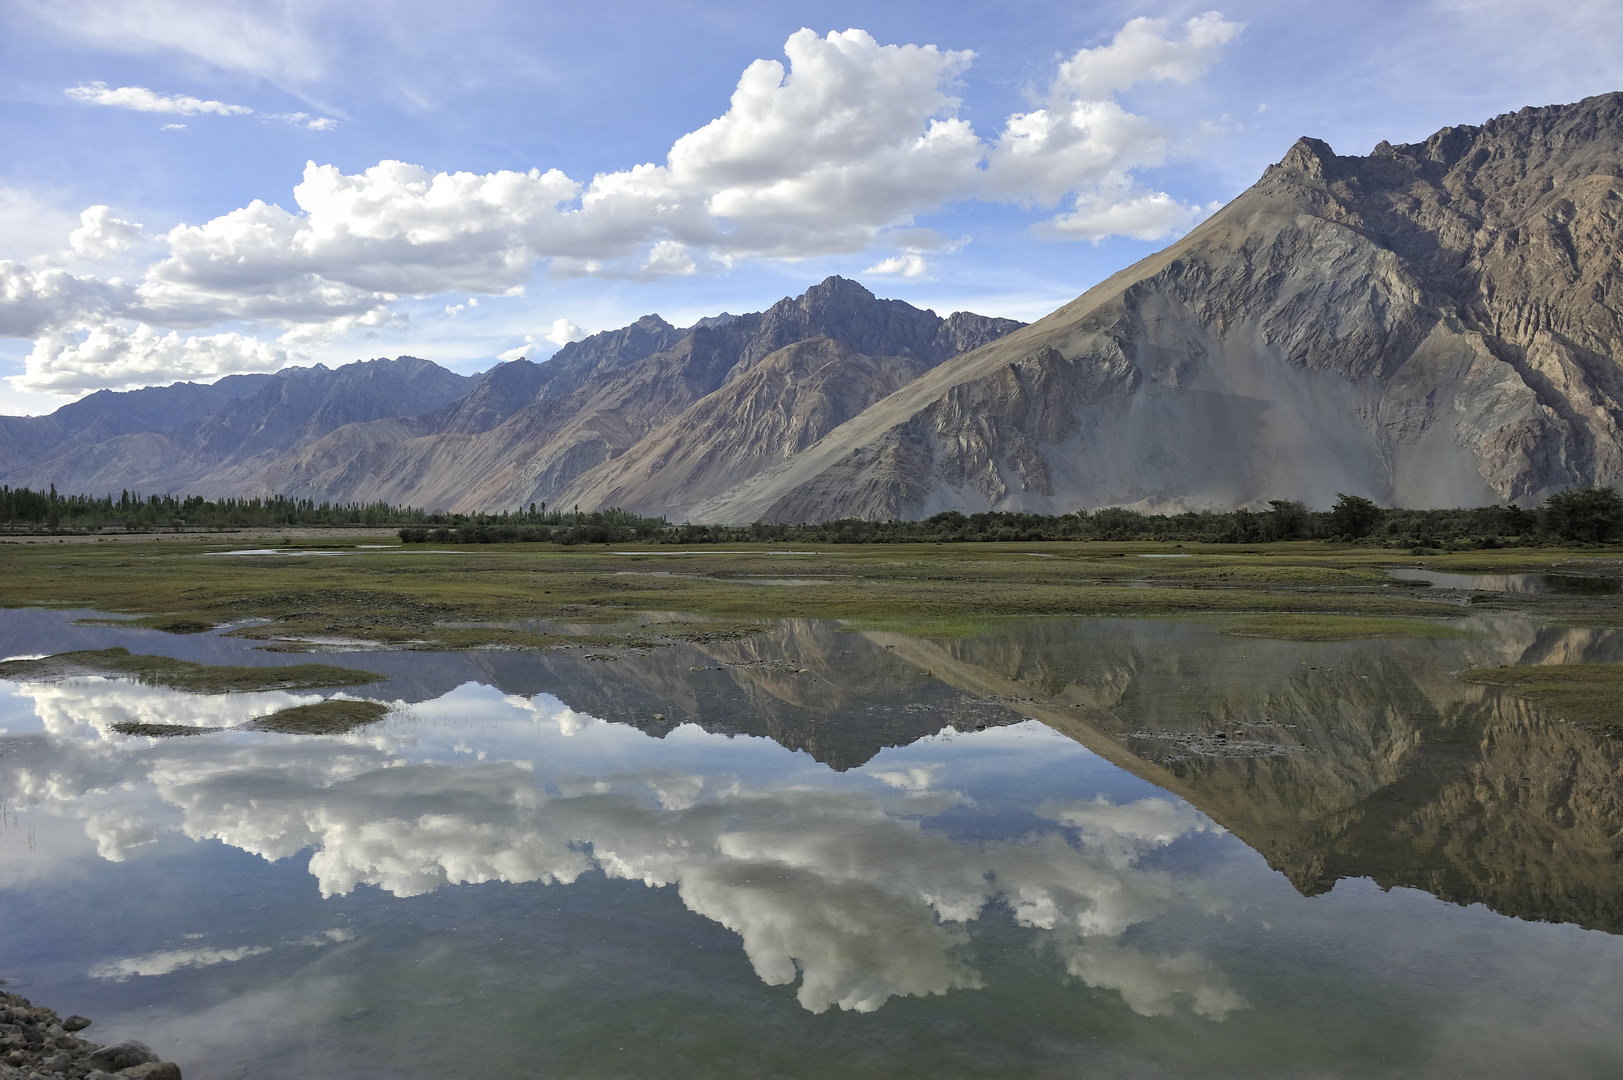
(195, 188)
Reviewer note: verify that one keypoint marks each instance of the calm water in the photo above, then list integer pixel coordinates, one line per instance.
(1072, 848)
(1562, 584)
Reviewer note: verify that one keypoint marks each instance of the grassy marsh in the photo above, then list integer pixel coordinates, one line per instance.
(487, 596)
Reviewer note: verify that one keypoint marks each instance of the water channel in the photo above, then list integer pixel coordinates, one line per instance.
(1065, 848)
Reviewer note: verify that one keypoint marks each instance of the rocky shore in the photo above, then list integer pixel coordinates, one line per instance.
(35, 1042)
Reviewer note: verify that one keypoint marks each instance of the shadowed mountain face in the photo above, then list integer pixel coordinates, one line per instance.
(1435, 324)
(649, 417)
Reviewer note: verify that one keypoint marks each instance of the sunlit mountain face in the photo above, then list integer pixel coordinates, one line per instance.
(1135, 844)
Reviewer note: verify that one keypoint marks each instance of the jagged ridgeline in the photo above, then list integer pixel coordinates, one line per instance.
(651, 417)
(1435, 324)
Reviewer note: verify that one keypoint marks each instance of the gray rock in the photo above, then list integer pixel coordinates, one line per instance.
(122, 1056)
(152, 1070)
(76, 1023)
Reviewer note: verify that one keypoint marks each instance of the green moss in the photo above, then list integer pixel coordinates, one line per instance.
(183, 674)
(1298, 627)
(333, 717)
(1591, 693)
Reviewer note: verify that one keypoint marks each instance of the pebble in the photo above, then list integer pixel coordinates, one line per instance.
(35, 1043)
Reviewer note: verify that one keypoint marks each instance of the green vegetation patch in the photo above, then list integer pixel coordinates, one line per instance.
(1264, 574)
(162, 731)
(1590, 693)
(1303, 627)
(334, 717)
(183, 674)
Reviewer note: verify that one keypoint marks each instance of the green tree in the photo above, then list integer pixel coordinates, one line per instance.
(1592, 515)
(1286, 519)
(1353, 516)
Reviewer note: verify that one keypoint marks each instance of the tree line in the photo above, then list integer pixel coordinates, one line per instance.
(1588, 515)
(25, 510)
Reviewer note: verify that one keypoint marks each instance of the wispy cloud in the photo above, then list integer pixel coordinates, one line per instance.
(140, 99)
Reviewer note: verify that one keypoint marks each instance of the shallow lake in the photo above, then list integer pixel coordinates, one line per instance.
(1065, 848)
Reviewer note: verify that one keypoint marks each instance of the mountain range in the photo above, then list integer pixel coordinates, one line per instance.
(1434, 324)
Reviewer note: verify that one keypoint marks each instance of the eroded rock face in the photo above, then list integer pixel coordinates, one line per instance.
(1435, 324)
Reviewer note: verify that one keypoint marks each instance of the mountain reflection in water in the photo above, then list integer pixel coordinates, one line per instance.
(942, 798)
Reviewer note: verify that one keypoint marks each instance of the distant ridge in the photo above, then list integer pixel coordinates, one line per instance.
(605, 418)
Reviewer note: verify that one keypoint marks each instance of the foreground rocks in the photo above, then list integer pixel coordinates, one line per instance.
(34, 1041)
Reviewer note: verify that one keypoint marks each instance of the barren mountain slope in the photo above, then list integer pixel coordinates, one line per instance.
(1435, 324)
(779, 407)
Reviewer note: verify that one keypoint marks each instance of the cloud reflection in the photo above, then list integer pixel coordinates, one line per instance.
(837, 882)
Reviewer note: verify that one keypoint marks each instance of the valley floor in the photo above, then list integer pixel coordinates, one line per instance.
(317, 589)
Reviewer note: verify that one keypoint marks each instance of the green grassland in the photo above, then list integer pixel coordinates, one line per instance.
(536, 596)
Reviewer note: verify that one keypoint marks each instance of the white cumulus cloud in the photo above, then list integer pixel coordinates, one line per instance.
(835, 150)
(909, 264)
(35, 301)
(563, 332)
(101, 234)
(141, 99)
(669, 257)
(1084, 143)
(110, 356)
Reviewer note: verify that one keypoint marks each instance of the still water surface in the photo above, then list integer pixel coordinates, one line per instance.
(1069, 848)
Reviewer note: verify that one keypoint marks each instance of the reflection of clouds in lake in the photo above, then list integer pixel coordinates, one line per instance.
(162, 963)
(116, 833)
(1150, 984)
(834, 881)
(90, 706)
(544, 708)
(165, 961)
(912, 778)
(1129, 828)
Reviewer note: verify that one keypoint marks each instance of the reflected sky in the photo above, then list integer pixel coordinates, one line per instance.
(503, 871)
